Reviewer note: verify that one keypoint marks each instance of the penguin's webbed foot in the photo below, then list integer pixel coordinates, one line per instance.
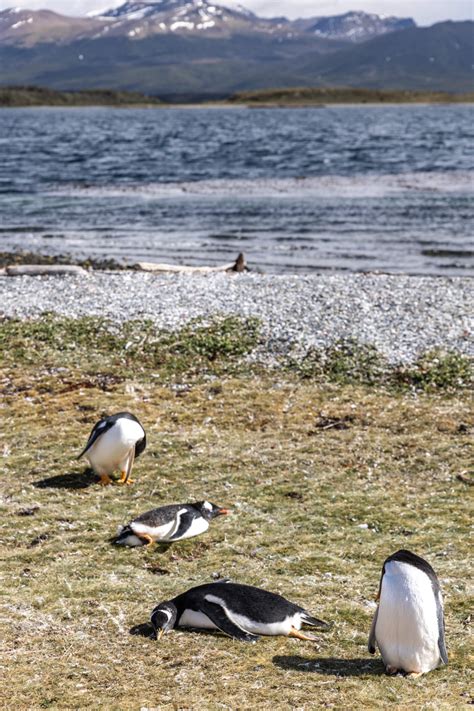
(105, 480)
(124, 480)
(301, 635)
(145, 537)
(414, 675)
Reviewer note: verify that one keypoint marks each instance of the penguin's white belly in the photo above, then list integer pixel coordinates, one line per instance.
(112, 449)
(269, 629)
(193, 618)
(407, 623)
(198, 526)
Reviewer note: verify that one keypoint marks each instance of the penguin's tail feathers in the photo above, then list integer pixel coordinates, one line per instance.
(308, 619)
(126, 537)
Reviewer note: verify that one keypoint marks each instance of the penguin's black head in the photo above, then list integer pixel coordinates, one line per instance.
(209, 511)
(163, 618)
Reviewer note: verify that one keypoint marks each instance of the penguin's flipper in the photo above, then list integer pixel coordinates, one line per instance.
(126, 474)
(185, 522)
(372, 641)
(218, 616)
(441, 639)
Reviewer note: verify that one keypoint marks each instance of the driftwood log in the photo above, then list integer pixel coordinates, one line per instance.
(238, 266)
(42, 269)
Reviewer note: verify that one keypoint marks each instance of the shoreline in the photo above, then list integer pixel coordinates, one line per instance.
(402, 317)
(244, 106)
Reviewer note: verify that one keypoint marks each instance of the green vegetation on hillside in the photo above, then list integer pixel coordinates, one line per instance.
(324, 478)
(344, 95)
(41, 96)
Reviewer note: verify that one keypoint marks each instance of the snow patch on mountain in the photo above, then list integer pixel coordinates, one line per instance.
(353, 26)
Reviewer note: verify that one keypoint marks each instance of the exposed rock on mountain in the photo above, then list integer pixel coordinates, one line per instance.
(353, 26)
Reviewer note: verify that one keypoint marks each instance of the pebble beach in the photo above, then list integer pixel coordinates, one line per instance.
(402, 316)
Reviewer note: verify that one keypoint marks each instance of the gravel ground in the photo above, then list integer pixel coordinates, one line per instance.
(402, 316)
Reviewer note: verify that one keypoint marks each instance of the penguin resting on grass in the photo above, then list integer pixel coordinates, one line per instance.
(242, 612)
(169, 523)
(408, 625)
(114, 443)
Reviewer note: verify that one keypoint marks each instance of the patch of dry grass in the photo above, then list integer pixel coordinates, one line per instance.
(325, 480)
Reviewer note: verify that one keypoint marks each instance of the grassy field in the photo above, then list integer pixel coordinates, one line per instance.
(42, 96)
(20, 96)
(309, 96)
(326, 475)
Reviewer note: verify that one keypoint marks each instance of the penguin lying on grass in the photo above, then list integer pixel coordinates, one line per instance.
(408, 626)
(114, 443)
(169, 523)
(242, 612)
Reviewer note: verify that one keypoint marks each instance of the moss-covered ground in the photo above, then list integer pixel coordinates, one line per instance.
(326, 475)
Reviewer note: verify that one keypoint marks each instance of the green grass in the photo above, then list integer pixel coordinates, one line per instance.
(42, 96)
(326, 476)
(308, 96)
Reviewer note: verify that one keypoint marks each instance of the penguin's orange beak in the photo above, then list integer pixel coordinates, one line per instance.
(224, 512)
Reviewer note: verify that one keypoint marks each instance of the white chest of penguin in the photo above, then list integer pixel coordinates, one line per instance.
(407, 625)
(117, 441)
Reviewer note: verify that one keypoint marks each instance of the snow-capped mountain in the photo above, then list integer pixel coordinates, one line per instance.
(139, 19)
(25, 28)
(171, 50)
(353, 26)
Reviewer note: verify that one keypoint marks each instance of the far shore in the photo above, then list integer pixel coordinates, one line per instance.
(297, 98)
(239, 107)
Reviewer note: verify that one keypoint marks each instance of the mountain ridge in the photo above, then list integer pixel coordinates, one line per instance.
(138, 19)
(239, 52)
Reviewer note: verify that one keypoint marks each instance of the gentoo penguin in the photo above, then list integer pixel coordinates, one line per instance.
(114, 443)
(240, 611)
(408, 625)
(169, 523)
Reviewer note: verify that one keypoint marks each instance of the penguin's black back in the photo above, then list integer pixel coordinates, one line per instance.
(247, 600)
(164, 514)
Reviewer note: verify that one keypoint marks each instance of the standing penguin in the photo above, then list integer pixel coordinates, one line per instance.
(240, 611)
(408, 625)
(114, 443)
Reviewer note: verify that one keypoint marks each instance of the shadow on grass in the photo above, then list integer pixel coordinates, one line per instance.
(73, 480)
(330, 666)
(144, 630)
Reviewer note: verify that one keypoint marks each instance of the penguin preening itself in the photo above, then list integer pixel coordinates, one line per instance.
(242, 612)
(114, 443)
(169, 523)
(408, 625)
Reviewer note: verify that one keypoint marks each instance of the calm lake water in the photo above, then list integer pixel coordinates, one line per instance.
(350, 188)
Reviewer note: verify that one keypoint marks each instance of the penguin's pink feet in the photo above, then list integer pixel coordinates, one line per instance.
(414, 675)
(105, 480)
